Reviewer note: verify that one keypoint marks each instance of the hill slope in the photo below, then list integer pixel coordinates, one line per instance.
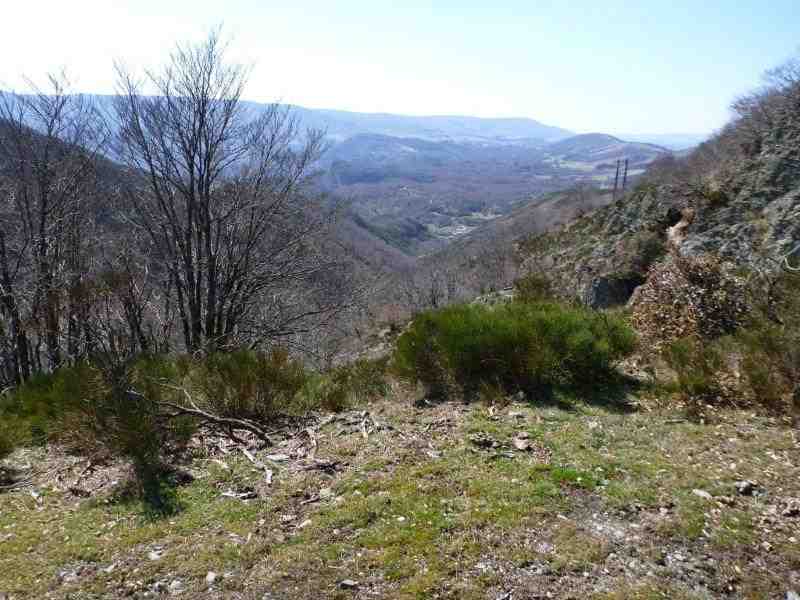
(450, 500)
(595, 147)
(736, 195)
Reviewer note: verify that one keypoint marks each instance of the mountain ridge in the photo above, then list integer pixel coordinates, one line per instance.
(341, 124)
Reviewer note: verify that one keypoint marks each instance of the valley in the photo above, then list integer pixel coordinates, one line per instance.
(418, 195)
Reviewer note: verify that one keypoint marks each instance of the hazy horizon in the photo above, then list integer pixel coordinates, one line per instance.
(621, 68)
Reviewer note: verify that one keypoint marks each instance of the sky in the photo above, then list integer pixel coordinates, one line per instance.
(647, 66)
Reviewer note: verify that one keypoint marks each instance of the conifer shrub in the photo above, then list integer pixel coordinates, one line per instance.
(108, 408)
(346, 385)
(697, 367)
(105, 410)
(517, 346)
(261, 386)
(534, 287)
(770, 347)
(644, 249)
(8, 437)
(35, 409)
(122, 408)
(249, 384)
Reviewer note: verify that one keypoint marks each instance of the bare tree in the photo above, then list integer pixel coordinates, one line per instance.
(225, 205)
(431, 287)
(49, 143)
(769, 116)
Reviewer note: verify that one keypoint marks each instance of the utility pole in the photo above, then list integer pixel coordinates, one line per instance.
(625, 176)
(616, 182)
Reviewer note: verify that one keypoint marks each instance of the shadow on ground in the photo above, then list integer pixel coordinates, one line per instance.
(615, 393)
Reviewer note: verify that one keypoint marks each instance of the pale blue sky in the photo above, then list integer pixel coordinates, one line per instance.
(616, 66)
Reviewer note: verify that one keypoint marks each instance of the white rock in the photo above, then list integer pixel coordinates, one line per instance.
(277, 457)
(702, 494)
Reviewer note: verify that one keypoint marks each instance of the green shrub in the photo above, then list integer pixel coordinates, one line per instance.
(534, 287)
(756, 365)
(517, 346)
(251, 385)
(713, 195)
(120, 412)
(35, 409)
(697, 367)
(642, 250)
(124, 410)
(347, 385)
(101, 412)
(9, 436)
(262, 385)
(770, 346)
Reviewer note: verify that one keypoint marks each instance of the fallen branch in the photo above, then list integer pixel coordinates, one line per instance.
(19, 484)
(260, 465)
(327, 466)
(225, 424)
(78, 479)
(312, 442)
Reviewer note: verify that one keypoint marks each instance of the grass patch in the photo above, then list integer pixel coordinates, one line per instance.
(422, 510)
(423, 523)
(576, 550)
(649, 592)
(42, 539)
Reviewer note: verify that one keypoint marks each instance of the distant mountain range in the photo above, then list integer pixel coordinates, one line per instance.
(673, 141)
(341, 125)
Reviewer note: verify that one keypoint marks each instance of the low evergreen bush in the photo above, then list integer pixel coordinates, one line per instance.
(133, 410)
(534, 287)
(516, 346)
(263, 385)
(249, 384)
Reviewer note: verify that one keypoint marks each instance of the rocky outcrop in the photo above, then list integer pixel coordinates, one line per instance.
(698, 297)
(611, 290)
(751, 225)
(602, 256)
